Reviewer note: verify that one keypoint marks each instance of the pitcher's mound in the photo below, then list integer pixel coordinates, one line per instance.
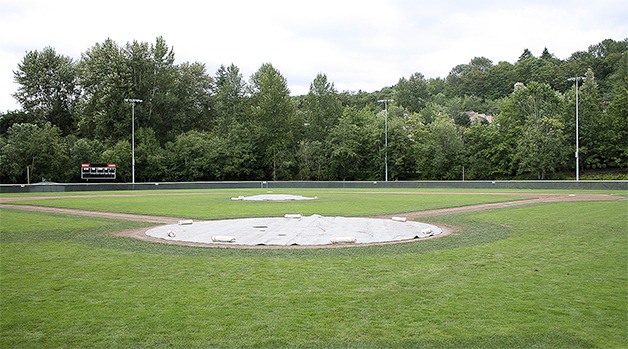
(295, 229)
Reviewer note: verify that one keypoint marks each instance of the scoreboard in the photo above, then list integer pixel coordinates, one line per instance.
(98, 171)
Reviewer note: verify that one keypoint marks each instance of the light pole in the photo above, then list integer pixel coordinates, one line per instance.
(385, 101)
(133, 101)
(577, 141)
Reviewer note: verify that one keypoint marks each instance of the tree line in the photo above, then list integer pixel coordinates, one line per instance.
(482, 121)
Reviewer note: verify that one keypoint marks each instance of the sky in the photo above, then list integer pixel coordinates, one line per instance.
(359, 44)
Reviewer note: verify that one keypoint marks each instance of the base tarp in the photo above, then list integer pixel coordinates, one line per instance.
(274, 197)
(294, 229)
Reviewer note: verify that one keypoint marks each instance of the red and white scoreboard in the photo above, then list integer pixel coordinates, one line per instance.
(98, 171)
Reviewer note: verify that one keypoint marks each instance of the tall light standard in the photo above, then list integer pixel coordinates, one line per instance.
(385, 101)
(577, 141)
(133, 101)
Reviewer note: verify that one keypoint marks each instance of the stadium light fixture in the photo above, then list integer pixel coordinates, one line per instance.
(133, 101)
(385, 101)
(577, 141)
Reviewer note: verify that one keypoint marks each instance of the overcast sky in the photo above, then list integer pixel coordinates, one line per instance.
(359, 44)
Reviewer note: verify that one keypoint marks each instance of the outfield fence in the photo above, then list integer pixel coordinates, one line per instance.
(76, 187)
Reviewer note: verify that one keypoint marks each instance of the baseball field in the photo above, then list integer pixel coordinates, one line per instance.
(518, 269)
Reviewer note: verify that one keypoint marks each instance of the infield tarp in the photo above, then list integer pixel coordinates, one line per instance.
(295, 230)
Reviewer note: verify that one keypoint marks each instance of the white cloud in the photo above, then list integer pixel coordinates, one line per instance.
(359, 44)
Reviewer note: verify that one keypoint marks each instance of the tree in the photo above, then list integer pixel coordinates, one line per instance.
(543, 70)
(274, 116)
(592, 121)
(84, 150)
(105, 78)
(357, 146)
(617, 128)
(12, 117)
(412, 94)
(576, 65)
(535, 115)
(188, 157)
(190, 105)
(152, 72)
(175, 98)
(195, 156)
(615, 149)
(48, 88)
(359, 99)
(235, 158)
(440, 151)
(120, 154)
(221, 127)
(541, 148)
(401, 145)
(432, 111)
(546, 54)
(481, 146)
(470, 79)
(230, 93)
(38, 150)
(454, 85)
(322, 108)
(150, 158)
(313, 158)
(457, 107)
(606, 56)
(436, 86)
(526, 54)
(499, 80)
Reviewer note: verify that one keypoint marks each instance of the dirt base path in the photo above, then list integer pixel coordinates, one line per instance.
(140, 233)
(536, 198)
(98, 214)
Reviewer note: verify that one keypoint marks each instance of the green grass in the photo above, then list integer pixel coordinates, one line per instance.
(538, 276)
(212, 205)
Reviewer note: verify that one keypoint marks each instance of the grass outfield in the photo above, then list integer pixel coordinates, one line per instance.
(537, 276)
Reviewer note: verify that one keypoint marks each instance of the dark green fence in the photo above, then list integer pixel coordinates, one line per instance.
(73, 187)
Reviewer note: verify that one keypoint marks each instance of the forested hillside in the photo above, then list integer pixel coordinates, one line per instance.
(485, 120)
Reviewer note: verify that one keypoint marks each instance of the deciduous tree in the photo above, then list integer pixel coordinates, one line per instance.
(274, 116)
(48, 88)
(541, 146)
(322, 108)
(39, 148)
(412, 93)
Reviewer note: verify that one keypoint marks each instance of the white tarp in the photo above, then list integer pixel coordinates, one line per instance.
(297, 230)
(273, 197)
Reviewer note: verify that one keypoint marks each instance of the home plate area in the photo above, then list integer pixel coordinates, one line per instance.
(296, 230)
